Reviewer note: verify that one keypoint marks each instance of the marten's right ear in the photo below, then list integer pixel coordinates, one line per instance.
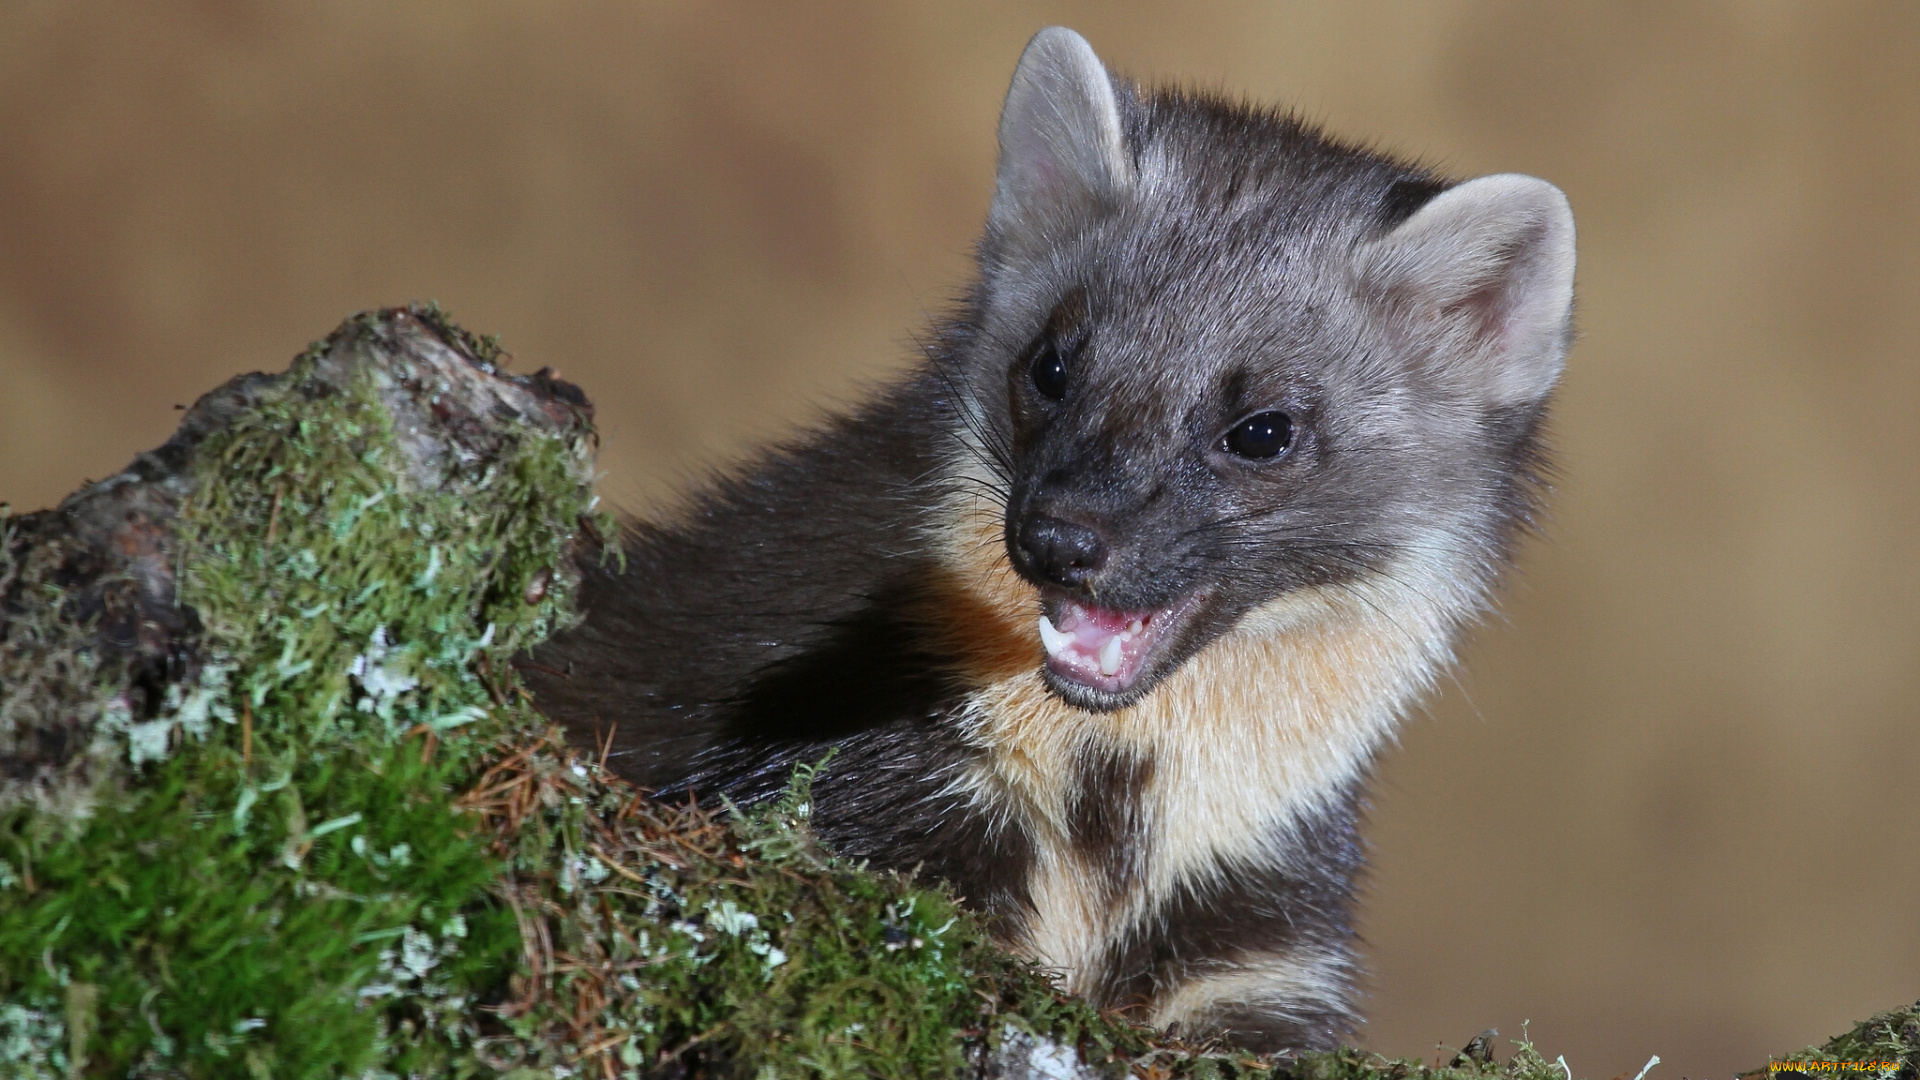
(1062, 159)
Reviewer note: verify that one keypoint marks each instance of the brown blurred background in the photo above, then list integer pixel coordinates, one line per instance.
(1670, 807)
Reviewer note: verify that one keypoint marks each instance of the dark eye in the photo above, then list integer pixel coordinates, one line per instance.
(1262, 435)
(1049, 371)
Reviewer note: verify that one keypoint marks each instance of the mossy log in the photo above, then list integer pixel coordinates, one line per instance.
(273, 802)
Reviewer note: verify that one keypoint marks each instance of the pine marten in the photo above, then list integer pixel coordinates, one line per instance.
(1108, 605)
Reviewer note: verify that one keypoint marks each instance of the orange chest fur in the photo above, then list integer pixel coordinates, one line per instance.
(1264, 725)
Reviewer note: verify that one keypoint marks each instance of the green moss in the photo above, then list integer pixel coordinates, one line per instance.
(1892, 1036)
(485, 348)
(738, 946)
(289, 887)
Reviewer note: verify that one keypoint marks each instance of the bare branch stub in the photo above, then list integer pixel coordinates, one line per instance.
(89, 619)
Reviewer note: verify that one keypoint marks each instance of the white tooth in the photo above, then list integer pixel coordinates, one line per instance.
(1136, 627)
(1110, 657)
(1055, 641)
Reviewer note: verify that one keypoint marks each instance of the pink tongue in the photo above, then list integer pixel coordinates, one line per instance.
(1097, 647)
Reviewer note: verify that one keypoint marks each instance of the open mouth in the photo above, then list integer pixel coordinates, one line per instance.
(1102, 649)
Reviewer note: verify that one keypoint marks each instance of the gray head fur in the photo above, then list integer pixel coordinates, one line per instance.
(1192, 263)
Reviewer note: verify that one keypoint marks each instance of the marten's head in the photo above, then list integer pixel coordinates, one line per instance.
(1217, 359)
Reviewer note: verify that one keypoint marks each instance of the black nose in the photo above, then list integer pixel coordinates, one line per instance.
(1061, 551)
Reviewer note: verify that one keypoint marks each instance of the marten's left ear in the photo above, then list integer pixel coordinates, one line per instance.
(1481, 281)
(1062, 158)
